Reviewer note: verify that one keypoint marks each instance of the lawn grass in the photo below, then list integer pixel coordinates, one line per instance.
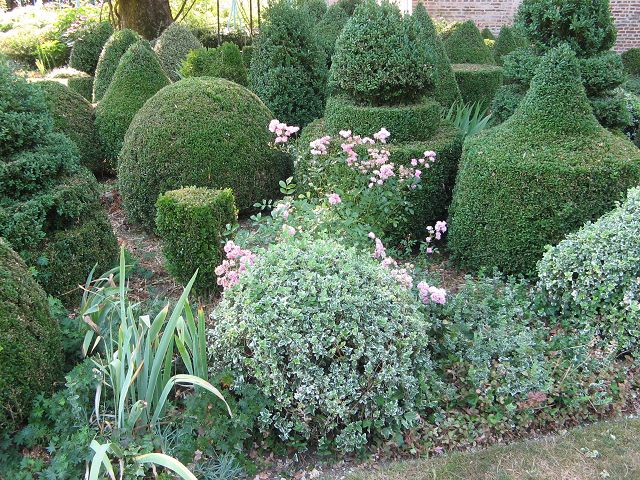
(604, 450)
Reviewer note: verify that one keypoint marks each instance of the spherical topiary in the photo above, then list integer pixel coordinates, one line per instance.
(329, 337)
(82, 85)
(288, 69)
(86, 49)
(464, 44)
(631, 61)
(592, 278)
(329, 27)
(538, 176)
(30, 341)
(110, 56)
(173, 46)
(378, 59)
(74, 116)
(205, 132)
(508, 41)
(224, 61)
(138, 77)
(587, 27)
(478, 83)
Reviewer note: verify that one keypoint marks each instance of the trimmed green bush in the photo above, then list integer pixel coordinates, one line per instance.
(223, 62)
(110, 56)
(487, 34)
(190, 221)
(464, 44)
(632, 103)
(205, 132)
(611, 110)
(87, 47)
(412, 122)
(592, 278)
(247, 53)
(632, 85)
(508, 41)
(478, 83)
(378, 59)
(30, 341)
(74, 116)
(328, 29)
(82, 85)
(601, 73)
(138, 77)
(315, 9)
(330, 338)
(173, 46)
(631, 61)
(505, 102)
(288, 69)
(587, 27)
(538, 176)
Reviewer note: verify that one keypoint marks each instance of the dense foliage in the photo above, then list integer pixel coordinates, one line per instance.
(82, 85)
(173, 46)
(86, 49)
(509, 40)
(328, 28)
(224, 61)
(631, 61)
(478, 83)
(464, 44)
(113, 50)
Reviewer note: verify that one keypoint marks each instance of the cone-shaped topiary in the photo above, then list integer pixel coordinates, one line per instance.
(74, 116)
(173, 46)
(329, 27)
(204, 132)
(288, 69)
(86, 49)
(508, 41)
(445, 89)
(487, 34)
(315, 9)
(30, 341)
(538, 176)
(464, 44)
(110, 56)
(138, 77)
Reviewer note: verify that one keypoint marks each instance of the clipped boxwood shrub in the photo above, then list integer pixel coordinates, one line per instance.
(632, 103)
(82, 85)
(138, 77)
(411, 122)
(204, 132)
(631, 61)
(173, 46)
(478, 83)
(601, 73)
(87, 47)
(329, 338)
(487, 34)
(329, 27)
(464, 44)
(538, 176)
(224, 62)
(30, 341)
(73, 116)
(247, 53)
(315, 9)
(505, 102)
(632, 85)
(508, 41)
(592, 278)
(190, 221)
(113, 50)
(288, 68)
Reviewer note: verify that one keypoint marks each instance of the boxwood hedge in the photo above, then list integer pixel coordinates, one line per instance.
(478, 83)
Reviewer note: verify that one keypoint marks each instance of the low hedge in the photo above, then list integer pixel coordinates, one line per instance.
(190, 221)
(81, 85)
(173, 46)
(406, 123)
(478, 83)
(88, 46)
(110, 56)
(464, 44)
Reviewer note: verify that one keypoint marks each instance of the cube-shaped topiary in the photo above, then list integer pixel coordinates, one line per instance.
(191, 222)
(173, 46)
(464, 44)
(538, 176)
(86, 49)
(30, 341)
(224, 61)
(205, 132)
(110, 56)
(509, 40)
(478, 83)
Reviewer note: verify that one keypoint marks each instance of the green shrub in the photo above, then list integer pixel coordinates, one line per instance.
(52, 53)
(138, 77)
(464, 44)
(592, 278)
(538, 176)
(478, 83)
(487, 34)
(631, 61)
(398, 69)
(87, 47)
(315, 9)
(505, 102)
(82, 85)
(328, 29)
(520, 67)
(508, 41)
(173, 46)
(30, 343)
(222, 62)
(247, 53)
(74, 117)
(632, 103)
(611, 110)
(587, 27)
(205, 132)
(330, 338)
(110, 56)
(412, 122)
(601, 73)
(190, 222)
(288, 69)
(632, 85)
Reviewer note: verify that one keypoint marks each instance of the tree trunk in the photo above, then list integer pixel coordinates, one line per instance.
(147, 17)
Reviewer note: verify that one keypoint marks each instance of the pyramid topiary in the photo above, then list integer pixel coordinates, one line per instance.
(110, 56)
(173, 46)
(86, 49)
(487, 34)
(288, 69)
(464, 44)
(329, 27)
(538, 176)
(138, 77)
(508, 41)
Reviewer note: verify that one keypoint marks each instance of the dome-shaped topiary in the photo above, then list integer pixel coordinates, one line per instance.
(378, 59)
(138, 77)
(538, 176)
(30, 341)
(509, 40)
(288, 68)
(173, 46)
(203, 132)
(73, 116)
(110, 56)
(86, 49)
(223, 62)
(329, 337)
(464, 44)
